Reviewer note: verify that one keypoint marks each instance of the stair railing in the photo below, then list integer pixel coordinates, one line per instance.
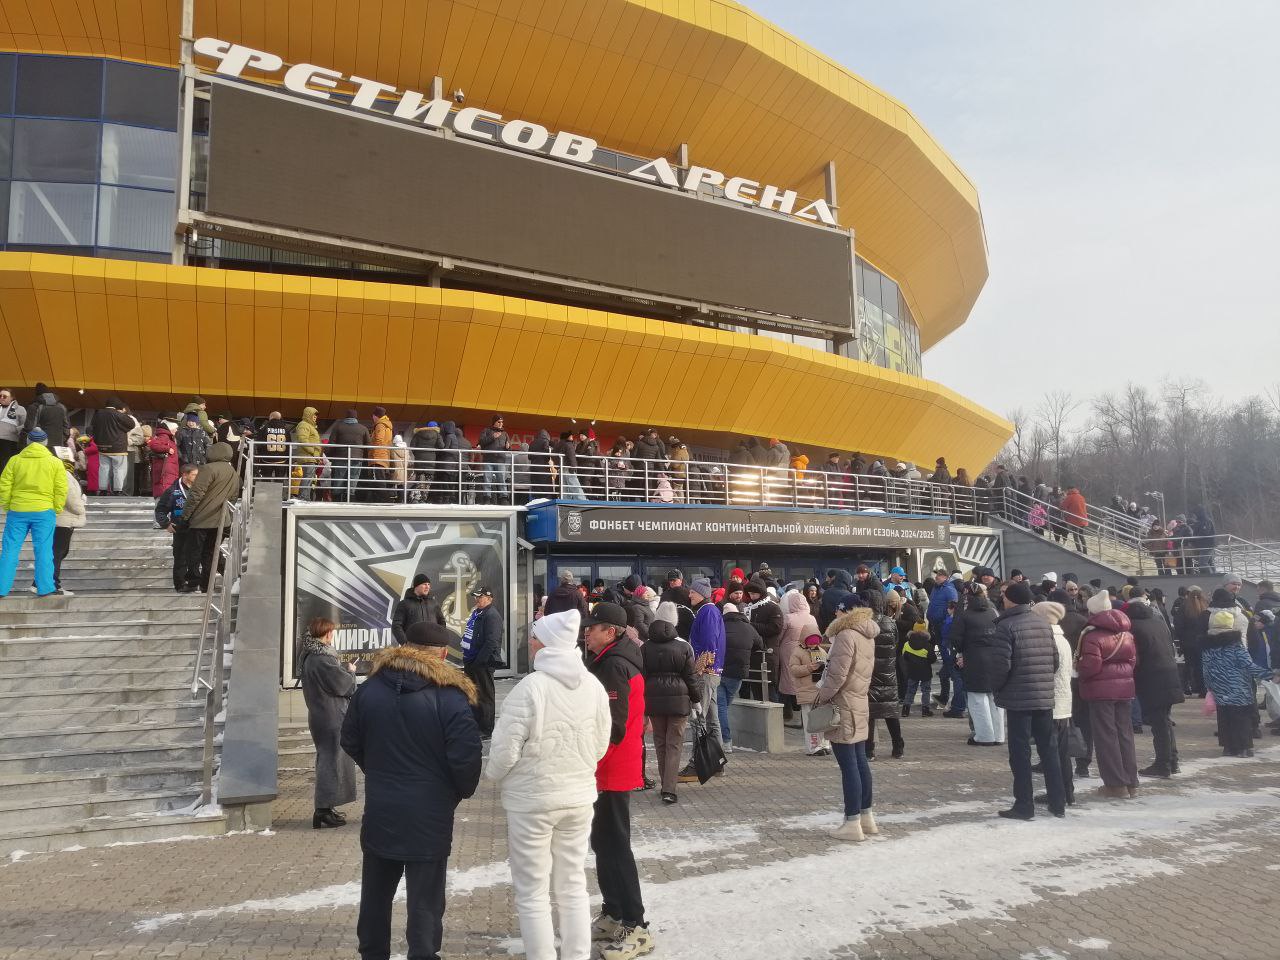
(216, 620)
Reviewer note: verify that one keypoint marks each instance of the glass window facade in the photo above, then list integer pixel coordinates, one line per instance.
(887, 333)
(88, 156)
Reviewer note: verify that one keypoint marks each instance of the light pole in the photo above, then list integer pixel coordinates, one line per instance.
(1159, 498)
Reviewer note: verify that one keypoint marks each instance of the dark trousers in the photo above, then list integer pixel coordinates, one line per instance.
(1078, 535)
(1080, 717)
(1112, 724)
(895, 734)
(8, 450)
(482, 677)
(1023, 726)
(1163, 738)
(61, 544)
(1235, 728)
(615, 864)
(186, 558)
(424, 890)
(1065, 763)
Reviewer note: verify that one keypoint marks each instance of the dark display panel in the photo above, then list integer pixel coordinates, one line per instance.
(280, 162)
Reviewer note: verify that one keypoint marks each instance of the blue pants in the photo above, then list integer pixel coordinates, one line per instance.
(855, 776)
(925, 687)
(726, 693)
(41, 525)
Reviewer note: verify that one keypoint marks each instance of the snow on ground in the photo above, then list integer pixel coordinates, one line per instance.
(1091, 943)
(1019, 863)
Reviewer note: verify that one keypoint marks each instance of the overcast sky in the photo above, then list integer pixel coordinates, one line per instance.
(1125, 154)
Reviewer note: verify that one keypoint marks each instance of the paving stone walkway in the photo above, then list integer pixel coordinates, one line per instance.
(742, 868)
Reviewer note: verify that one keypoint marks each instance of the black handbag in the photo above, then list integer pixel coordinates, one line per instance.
(1077, 749)
(708, 758)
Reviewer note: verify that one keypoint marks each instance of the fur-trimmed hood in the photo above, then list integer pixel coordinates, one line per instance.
(859, 619)
(423, 665)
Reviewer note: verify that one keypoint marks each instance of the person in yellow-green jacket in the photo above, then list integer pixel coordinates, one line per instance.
(33, 489)
(308, 452)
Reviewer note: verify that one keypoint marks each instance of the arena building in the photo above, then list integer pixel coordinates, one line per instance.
(637, 212)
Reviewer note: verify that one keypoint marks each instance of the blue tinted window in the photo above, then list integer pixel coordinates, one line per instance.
(59, 87)
(141, 95)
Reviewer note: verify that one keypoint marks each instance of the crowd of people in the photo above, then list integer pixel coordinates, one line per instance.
(1078, 669)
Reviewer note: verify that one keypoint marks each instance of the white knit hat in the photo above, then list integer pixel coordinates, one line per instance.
(1100, 602)
(558, 631)
(729, 608)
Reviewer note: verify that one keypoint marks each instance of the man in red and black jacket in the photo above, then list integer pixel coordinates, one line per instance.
(615, 661)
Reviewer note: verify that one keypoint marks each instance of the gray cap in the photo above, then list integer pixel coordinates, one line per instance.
(702, 586)
(1232, 579)
(566, 576)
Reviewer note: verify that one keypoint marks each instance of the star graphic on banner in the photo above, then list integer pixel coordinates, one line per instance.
(397, 570)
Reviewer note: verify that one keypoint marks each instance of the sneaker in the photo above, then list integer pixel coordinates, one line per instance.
(32, 589)
(1156, 770)
(628, 943)
(669, 798)
(604, 928)
(954, 714)
(60, 592)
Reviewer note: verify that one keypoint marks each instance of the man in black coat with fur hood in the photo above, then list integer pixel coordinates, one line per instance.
(411, 730)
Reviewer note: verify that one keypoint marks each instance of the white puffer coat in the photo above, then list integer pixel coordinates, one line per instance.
(553, 729)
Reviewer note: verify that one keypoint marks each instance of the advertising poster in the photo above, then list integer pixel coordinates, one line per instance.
(353, 568)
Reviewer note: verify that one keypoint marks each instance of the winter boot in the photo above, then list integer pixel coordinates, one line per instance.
(906, 710)
(869, 827)
(1156, 770)
(627, 944)
(851, 829)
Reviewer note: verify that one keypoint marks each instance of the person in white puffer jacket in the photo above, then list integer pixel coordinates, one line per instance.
(1053, 611)
(553, 730)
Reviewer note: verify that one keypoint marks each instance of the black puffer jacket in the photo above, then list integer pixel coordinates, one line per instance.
(566, 597)
(742, 645)
(415, 609)
(1156, 676)
(836, 594)
(411, 729)
(647, 449)
(1026, 639)
(669, 683)
(639, 615)
(973, 636)
(882, 695)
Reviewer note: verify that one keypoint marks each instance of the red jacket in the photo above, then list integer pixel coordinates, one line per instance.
(1107, 657)
(618, 667)
(164, 461)
(1074, 510)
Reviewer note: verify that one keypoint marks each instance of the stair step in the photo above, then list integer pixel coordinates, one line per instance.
(176, 675)
(137, 714)
(187, 623)
(106, 830)
(22, 607)
(23, 815)
(97, 759)
(59, 697)
(105, 737)
(47, 650)
(139, 778)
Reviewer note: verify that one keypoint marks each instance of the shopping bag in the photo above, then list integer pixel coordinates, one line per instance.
(1271, 697)
(1077, 749)
(1210, 705)
(708, 758)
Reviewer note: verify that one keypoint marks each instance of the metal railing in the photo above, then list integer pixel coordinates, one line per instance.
(216, 627)
(465, 476)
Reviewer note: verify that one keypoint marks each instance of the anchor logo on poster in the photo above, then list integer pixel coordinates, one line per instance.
(464, 576)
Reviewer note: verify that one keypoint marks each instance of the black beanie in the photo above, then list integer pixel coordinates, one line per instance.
(1018, 592)
(420, 579)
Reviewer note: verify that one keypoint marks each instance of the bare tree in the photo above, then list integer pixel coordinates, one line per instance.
(1054, 413)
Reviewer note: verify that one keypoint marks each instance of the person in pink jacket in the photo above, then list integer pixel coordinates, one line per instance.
(1105, 662)
(797, 623)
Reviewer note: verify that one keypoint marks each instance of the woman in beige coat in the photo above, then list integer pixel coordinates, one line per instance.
(845, 684)
(806, 657)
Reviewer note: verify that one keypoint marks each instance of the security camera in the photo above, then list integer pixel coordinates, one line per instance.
(459, 96)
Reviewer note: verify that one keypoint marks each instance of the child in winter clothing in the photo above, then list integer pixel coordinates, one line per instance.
(1227, 671)
(918, 656)
(808, 658)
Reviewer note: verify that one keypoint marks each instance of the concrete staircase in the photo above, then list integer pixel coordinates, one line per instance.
(101, 740)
